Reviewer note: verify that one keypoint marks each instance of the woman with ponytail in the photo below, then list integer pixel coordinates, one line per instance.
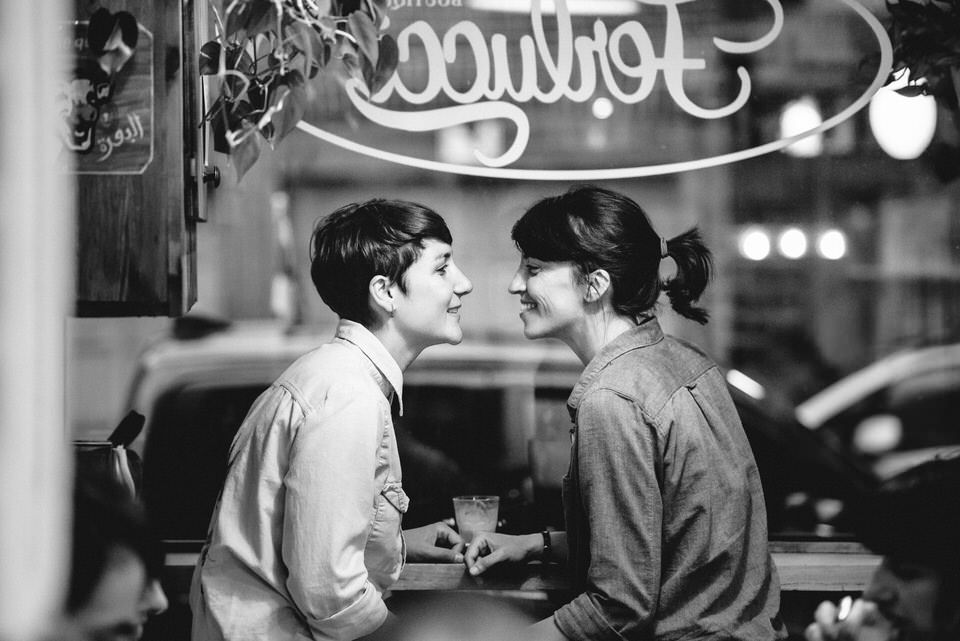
(666, 533)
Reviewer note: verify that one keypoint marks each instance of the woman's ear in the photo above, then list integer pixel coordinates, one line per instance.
(598, 284)
(381, 295)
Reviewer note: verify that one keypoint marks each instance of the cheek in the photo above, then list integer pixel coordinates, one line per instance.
(922, 596)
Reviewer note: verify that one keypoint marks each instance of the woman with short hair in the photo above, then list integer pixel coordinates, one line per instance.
(306, 537)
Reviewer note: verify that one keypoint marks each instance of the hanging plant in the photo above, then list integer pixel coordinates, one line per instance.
(266, 51)
(926, 41)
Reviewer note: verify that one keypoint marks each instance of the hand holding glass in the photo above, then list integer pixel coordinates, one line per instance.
(475, 514)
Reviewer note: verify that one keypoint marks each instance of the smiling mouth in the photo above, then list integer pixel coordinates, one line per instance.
(526, 307)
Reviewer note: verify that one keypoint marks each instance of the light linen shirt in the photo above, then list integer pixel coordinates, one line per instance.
(306, 535)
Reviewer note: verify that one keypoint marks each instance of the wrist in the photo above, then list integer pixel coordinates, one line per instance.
(546, 549)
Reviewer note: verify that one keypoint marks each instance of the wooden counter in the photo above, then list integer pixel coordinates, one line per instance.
(802, 566)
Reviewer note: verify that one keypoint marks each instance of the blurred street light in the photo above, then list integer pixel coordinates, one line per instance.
(755, 244)
(792, 243)
(902, 125)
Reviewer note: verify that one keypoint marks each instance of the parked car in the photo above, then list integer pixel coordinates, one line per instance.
(897, 412)
(474, 414)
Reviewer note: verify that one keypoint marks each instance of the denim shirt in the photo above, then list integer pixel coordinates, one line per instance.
(664, 510)
(306, 535)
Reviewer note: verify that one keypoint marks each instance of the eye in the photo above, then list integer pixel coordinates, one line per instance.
(532, 270)
(442, 269)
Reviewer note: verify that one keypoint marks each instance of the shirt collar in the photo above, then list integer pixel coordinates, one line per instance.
(385, 370)
(646, 333)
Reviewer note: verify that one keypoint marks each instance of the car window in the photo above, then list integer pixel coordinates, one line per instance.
(916, 413)
(456, 439)
(928, 407)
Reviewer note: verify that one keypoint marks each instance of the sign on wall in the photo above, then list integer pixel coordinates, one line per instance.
(106, 105)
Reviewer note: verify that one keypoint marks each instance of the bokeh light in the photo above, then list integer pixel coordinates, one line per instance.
(792, 243)
(832, 244)
(902, 125)
(799, 116)
(755, 244)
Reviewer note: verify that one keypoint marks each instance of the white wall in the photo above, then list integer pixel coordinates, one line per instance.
(36, 283)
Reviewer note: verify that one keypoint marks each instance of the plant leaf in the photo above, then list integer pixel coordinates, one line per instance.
(262, 17)
(351, 62)
(386, 65)
(247, 149)
(210, 58)
(346, 7)
(910, 91)
(363, 29)
(237, 17)
(294, 105)
(322, 7)
(328, 25)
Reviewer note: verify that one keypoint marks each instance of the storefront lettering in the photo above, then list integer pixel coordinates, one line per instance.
(394, 5)
(123, 135)
(579, 68)
(492, 77)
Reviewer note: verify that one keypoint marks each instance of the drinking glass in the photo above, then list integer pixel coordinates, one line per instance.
(475, 514)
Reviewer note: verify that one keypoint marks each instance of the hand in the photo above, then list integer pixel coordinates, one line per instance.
(488, 549)
(863, 623)
(436, 543)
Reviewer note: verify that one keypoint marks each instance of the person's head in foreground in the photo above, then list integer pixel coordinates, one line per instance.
(387, 265)
(115, 564)
(590, 255)
(913, 521)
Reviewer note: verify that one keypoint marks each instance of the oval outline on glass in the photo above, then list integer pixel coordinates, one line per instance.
(883, 71)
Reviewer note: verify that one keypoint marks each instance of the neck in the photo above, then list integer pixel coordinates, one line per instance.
(598, 329)
(403, 353)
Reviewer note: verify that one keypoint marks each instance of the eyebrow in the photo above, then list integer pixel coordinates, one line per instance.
(442, 258)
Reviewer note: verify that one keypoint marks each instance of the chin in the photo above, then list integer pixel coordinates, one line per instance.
(531, 332)
(454, 338)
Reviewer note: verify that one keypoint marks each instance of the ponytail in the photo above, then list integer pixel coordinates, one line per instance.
(694, 268)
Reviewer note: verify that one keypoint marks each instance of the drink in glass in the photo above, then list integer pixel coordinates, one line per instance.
(475, 514)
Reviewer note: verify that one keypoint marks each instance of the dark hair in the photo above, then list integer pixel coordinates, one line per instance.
(915, 515)
(106, 518)
(362, 240)
(597, 228)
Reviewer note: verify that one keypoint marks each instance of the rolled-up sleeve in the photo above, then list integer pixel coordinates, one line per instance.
(330, 490)
(620, 494)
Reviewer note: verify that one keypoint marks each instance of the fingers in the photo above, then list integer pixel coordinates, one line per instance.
(442, 555)
(825, 614)
(447, 536)
(480, 556)
(814, 633)
(482, 563)
(474, 550)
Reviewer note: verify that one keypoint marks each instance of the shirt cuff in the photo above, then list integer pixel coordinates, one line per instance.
(580, 619)
(358, 619)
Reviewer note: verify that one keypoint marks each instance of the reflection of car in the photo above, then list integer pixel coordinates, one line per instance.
(896, 412)
(473, 414)
(469, 412)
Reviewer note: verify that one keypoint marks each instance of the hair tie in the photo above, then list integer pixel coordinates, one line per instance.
(663, 248)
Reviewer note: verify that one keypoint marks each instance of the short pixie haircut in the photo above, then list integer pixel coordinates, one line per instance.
(362, 240)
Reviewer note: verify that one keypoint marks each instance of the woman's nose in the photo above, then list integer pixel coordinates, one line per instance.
(464, 286)
(516, 284)
(154, 601)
